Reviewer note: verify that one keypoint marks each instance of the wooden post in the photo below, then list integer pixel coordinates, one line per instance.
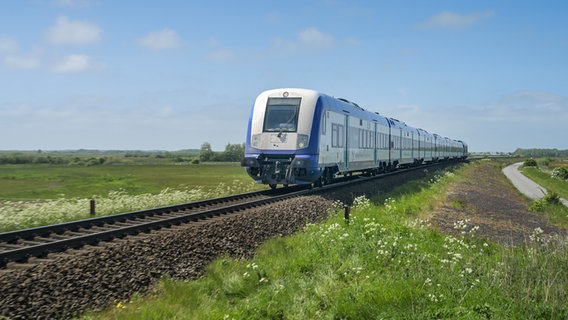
(93, 212)
(346, 215)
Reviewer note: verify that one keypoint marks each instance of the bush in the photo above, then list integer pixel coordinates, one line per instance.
(546, 162)
(560, 173)
(550, 198)
(530, 163)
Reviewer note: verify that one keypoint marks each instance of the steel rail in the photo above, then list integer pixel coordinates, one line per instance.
(30, 233)
(88, 238)
(135, 223)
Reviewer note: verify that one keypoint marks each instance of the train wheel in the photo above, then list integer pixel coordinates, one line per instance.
(318, 183)
(272, 186)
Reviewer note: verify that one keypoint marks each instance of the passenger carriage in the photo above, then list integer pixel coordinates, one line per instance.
(300, 136)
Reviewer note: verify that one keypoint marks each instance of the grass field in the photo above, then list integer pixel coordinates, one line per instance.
(44, 181)
(38, 194)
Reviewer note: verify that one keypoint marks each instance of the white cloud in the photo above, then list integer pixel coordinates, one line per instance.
(72, 3)
(524, 119)
(66, 31)
(7, 45)
(316, 38)
(73, 63)
(307, 39)
(452, 20)
(221, 55)
(106, 127)
(218, 53)
(527, 98)
(21, 62)
(161, 40)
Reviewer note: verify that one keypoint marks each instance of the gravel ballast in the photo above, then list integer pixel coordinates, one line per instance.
(67, 284)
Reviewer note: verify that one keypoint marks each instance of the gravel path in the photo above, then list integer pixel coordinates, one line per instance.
(525, 185)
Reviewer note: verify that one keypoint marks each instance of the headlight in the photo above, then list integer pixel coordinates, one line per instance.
(256, 140)
(303, 140)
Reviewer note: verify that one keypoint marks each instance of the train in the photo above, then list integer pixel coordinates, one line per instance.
(302, 136)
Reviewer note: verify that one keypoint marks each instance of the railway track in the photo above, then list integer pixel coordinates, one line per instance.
(19, 246)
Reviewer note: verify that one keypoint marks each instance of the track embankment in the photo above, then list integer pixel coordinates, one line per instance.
(94, 277)
(487, 199)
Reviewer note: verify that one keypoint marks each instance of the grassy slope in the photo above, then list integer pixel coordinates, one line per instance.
(385, 264)
(545, 180)
(557, 213)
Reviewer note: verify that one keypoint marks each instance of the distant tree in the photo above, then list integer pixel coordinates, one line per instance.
(539, 153)
(234, 152)
(206, 153)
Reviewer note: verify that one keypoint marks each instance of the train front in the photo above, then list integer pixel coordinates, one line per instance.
(282, 138)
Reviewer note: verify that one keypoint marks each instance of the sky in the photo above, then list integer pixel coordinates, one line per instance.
(172, 75)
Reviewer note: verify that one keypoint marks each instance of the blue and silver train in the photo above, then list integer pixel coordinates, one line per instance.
(301, 136)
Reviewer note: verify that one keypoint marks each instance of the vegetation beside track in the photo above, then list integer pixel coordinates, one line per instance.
(38, 194)
(386, 263)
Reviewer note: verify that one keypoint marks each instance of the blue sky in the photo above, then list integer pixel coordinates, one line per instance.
(171, 75)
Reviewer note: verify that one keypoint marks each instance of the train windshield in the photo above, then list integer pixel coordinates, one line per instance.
(282, 115)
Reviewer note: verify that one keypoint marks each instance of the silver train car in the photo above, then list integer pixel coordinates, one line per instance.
(301, 136)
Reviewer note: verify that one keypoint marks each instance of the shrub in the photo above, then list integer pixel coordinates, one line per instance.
(546, 162)
(560, 173)
(530, 163)
(550, 198)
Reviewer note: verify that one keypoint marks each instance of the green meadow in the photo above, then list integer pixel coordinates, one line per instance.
(45, 181)
(35, 194)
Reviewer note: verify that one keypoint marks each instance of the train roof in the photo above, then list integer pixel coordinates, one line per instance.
(337, 104)
(350, 107)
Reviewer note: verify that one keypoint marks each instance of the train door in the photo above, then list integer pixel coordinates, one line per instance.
(400, 144)
(435, 156)
(346, 144)
(412, 146)
(390, 143)
(375, 145)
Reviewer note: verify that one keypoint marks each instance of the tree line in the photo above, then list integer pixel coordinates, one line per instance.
(539, 153)
(232, 153)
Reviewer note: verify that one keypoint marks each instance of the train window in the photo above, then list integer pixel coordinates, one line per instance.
(324, 123)
(361, 138)
(282, 115)
(337, 135)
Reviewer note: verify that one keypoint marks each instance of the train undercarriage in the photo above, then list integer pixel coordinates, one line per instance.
(288, 169)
